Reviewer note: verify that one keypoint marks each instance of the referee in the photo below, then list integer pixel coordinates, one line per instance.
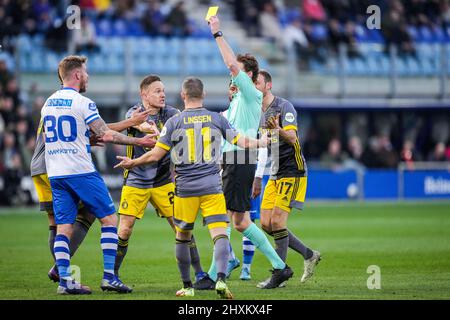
(244, 114)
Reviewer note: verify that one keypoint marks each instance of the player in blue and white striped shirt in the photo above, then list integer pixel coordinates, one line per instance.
(68, 117)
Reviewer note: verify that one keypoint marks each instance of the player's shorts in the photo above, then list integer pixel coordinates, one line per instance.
(237, 180)
(89, 188)
(285, 193)
(133, 201)
(256, 202)
(44, 192)
(213, 210)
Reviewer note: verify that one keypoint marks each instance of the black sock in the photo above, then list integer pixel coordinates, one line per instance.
(80, 230)
(51, 240)
(297, 245)
(122, 248)
(221, 253)
(195, 257)
(281, 243)
(183, 256)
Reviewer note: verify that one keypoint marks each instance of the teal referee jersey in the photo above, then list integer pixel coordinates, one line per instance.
(244, 112)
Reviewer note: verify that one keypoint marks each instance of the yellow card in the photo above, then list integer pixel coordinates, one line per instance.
(212, 11)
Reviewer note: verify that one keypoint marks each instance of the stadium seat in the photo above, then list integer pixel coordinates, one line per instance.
(8, 59)
(135, 29)
(115, 45)
(104, 28)
(319, 32)
(413, 68)
(120, 27)
(96, 63)
(414, 33)
(426, 34)
(24, 43)
(171, 65)
(161, 46)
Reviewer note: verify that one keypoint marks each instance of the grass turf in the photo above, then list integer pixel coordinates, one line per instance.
(410, 242)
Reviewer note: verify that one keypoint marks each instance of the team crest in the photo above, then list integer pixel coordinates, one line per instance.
(124, 204)
(92, 106)
(289, 117)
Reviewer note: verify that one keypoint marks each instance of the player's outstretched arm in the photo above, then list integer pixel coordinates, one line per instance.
(225, 50)
(249, 143)
(107, 135)
(136, 119)
(147, 158)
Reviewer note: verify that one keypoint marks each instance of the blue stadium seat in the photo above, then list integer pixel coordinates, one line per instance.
(362, 34)
(375, 36)
(428, 66)
(135, 28)
(319, 32)
(24, 43)
(426, 34)
(373, 67)
(413, 68)
(8, 59)
(414, 33)
(114, 45)
(142, 62)
(175, 46)
(37, 62)
(52, 61)
(172, 65)
(114, 63)
(192, 47)
(161, 46)
(120, 27)
(104, 28)
(440, 35)
(96, 63)
(384, 65)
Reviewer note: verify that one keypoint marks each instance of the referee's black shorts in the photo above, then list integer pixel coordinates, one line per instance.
(237, 180)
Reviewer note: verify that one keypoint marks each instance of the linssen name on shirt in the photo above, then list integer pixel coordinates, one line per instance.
(197, 119)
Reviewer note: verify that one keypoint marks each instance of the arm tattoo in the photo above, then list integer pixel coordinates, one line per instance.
(100, 128)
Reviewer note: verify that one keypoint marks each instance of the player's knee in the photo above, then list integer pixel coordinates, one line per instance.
(110, 220)
(278, 222)
(237, 225)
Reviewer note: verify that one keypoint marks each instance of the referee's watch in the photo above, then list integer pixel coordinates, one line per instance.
(218, 34)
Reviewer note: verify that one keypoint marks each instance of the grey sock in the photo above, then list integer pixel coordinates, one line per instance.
(221, 253)
(281, 243)
(183, 256)
(195, 257)
(122, 248)
(297, 245)
(80, 230)
(51, 240)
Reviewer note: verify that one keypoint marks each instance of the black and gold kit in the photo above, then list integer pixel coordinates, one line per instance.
(288, 175)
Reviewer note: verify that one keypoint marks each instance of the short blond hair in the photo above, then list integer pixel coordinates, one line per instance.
(68, 64)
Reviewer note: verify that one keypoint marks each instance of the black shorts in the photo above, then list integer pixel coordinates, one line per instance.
(237, 180)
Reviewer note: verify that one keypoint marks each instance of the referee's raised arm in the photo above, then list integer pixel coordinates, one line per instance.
(227, 53)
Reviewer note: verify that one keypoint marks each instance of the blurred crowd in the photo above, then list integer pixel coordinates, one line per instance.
(48, 18)
(359, 140)
(18, 124)
(316, 28)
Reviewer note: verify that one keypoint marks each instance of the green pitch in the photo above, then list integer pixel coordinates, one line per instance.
(409, 242)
